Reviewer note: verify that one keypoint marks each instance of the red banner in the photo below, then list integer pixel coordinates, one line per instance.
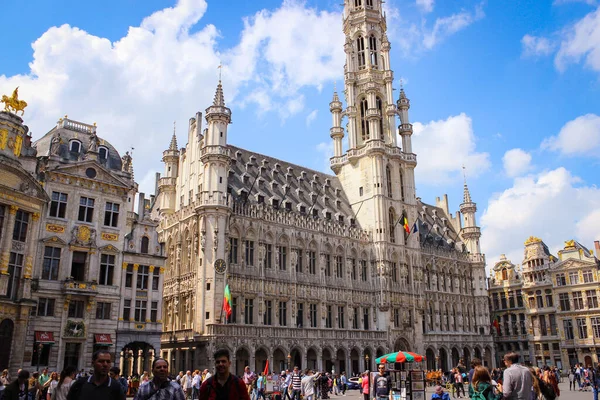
(44, 337)
(103, 338)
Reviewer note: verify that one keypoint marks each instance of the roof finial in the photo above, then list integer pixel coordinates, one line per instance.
(220, 67)
(467, 194)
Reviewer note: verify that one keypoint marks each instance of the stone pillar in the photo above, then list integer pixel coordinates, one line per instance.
(161, 280)
(30, 254)
(121, 366)
(140, 358)
(5, 246)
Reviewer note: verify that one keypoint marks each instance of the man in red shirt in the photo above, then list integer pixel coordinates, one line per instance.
(223, 385)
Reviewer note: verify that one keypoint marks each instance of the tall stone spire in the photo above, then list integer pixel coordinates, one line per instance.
(466, 195)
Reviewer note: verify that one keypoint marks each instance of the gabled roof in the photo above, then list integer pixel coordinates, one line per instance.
(436, 229)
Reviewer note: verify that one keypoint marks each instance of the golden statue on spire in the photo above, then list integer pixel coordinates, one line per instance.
(13, 104)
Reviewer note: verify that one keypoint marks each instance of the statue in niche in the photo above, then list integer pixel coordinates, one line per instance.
(55, 144)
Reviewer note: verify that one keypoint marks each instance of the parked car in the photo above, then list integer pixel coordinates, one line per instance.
(353, 383)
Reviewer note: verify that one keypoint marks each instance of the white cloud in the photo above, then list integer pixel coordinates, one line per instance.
(582, 41)
(516, 162)
(580, 136)
(425, 5)
(536, 46)
(446, 26)
(311, 117)
(326, 149)
(447, 145)
(561, 2)
(554, 205)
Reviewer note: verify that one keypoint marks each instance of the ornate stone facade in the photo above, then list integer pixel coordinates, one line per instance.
(548, 311)
(323, 269)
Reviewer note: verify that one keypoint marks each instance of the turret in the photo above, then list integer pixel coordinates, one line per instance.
(336, 132)
(470, 231)
(167, 185)
(218, 117)
(405, 127)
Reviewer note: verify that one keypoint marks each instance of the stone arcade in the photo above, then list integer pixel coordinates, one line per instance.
(322, 271)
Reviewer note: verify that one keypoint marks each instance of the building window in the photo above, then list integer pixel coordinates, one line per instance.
(233, 250)
(300, 316)
(58, 206)
(267, 318)
(328, 318)
(355, 318)
(360, 47)
(522, 324)
(233, 317)
(102, 153)
(592, 299)
(401, 186)
(312, 315)
(582, 328)
(249, 252)
(549, 300)
(156, 278)
(43, 352)
(103, 310)
(364, 123)
(574, 277)
(568, 327)
(339, 267)
(353, 269)
(561, 279)
(127, 310)
(248, 311)
(2, 211)
(145, 245)
(539, 299)
(111, 214)
(15, 267)
(107, 269)
(519, 298)
(142, 277)
(397, 318)
(282, 313)
(366, 319)
(75, 147)
(543, 328)
(394, 272)
(300, 261)
(327, 264)
(72, 353)
(269, 259)
(553, 327)
(282, 257)
(363, 270)
(577, 300)
(341, 323)
(564, 301)
(392, 225)
(76, 308)
(588, 276)
(140, 310)
(596, 326)
(379, 104)
(45, 307)
(129, 276)
(51, 263)
(86, 209)
(21, 224)
(388, 176)
(154, 311)
(373, 50)
(312, 262)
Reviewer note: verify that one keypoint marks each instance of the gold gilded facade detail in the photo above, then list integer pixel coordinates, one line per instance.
(55, 228)
(532, 239)
(110, 236)
(3, 138)
(13, 104)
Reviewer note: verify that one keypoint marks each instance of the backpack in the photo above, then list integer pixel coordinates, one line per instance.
(546, 390)
(477, 395)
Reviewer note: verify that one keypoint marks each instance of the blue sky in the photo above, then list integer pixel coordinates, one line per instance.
(509, 89)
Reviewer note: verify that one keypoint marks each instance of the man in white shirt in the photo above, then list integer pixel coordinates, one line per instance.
(196, 381)
(308, 385)
(186, 384)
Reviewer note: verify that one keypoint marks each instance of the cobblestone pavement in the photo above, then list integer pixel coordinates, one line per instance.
(564, 391)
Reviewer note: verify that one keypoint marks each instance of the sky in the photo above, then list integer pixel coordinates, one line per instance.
(509, 89)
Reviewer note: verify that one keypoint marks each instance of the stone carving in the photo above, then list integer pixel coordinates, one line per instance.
(202, 240)
(293, 258)
(94, 142)
(13, 104)
(126, 162)
(83, 235)
(55, 144)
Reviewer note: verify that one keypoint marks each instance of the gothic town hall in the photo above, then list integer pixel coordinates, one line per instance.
(325, 271)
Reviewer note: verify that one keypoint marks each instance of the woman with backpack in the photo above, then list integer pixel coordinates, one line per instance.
(481, 387)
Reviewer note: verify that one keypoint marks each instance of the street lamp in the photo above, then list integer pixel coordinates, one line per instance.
(368, 366)
(289, 357)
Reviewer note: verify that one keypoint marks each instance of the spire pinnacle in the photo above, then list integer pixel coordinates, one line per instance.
(173, 145)
(467, 194)
(219, 98)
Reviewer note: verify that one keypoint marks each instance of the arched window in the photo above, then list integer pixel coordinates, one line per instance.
(364, 124)
(360, 49)
(357, 3)
(145, 245)
(373, 51)
(388, 176)
(369, 3)
(392, 225)
(380, 109)
(102, 153)
(504, 274)
(75, 146)
(401, 185)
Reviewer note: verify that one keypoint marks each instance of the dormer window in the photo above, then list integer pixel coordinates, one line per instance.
(328, 215)
(275, 203)
(261, 199)
(315, 213)
(102, 153)
(75, 146)
(288, 206)
(246, 179)
(341, 219)
(302, 209)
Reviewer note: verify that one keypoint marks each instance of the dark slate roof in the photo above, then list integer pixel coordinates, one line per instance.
(79, 131)
(286, 183)
(436, 229)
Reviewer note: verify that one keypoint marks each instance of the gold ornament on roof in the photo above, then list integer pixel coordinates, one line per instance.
(532, 239)
(13, 104)
(569, 244)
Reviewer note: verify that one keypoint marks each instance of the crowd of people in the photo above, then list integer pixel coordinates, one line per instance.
(514, 382)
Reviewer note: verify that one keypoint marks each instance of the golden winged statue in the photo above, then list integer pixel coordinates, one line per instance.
(13, 104)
